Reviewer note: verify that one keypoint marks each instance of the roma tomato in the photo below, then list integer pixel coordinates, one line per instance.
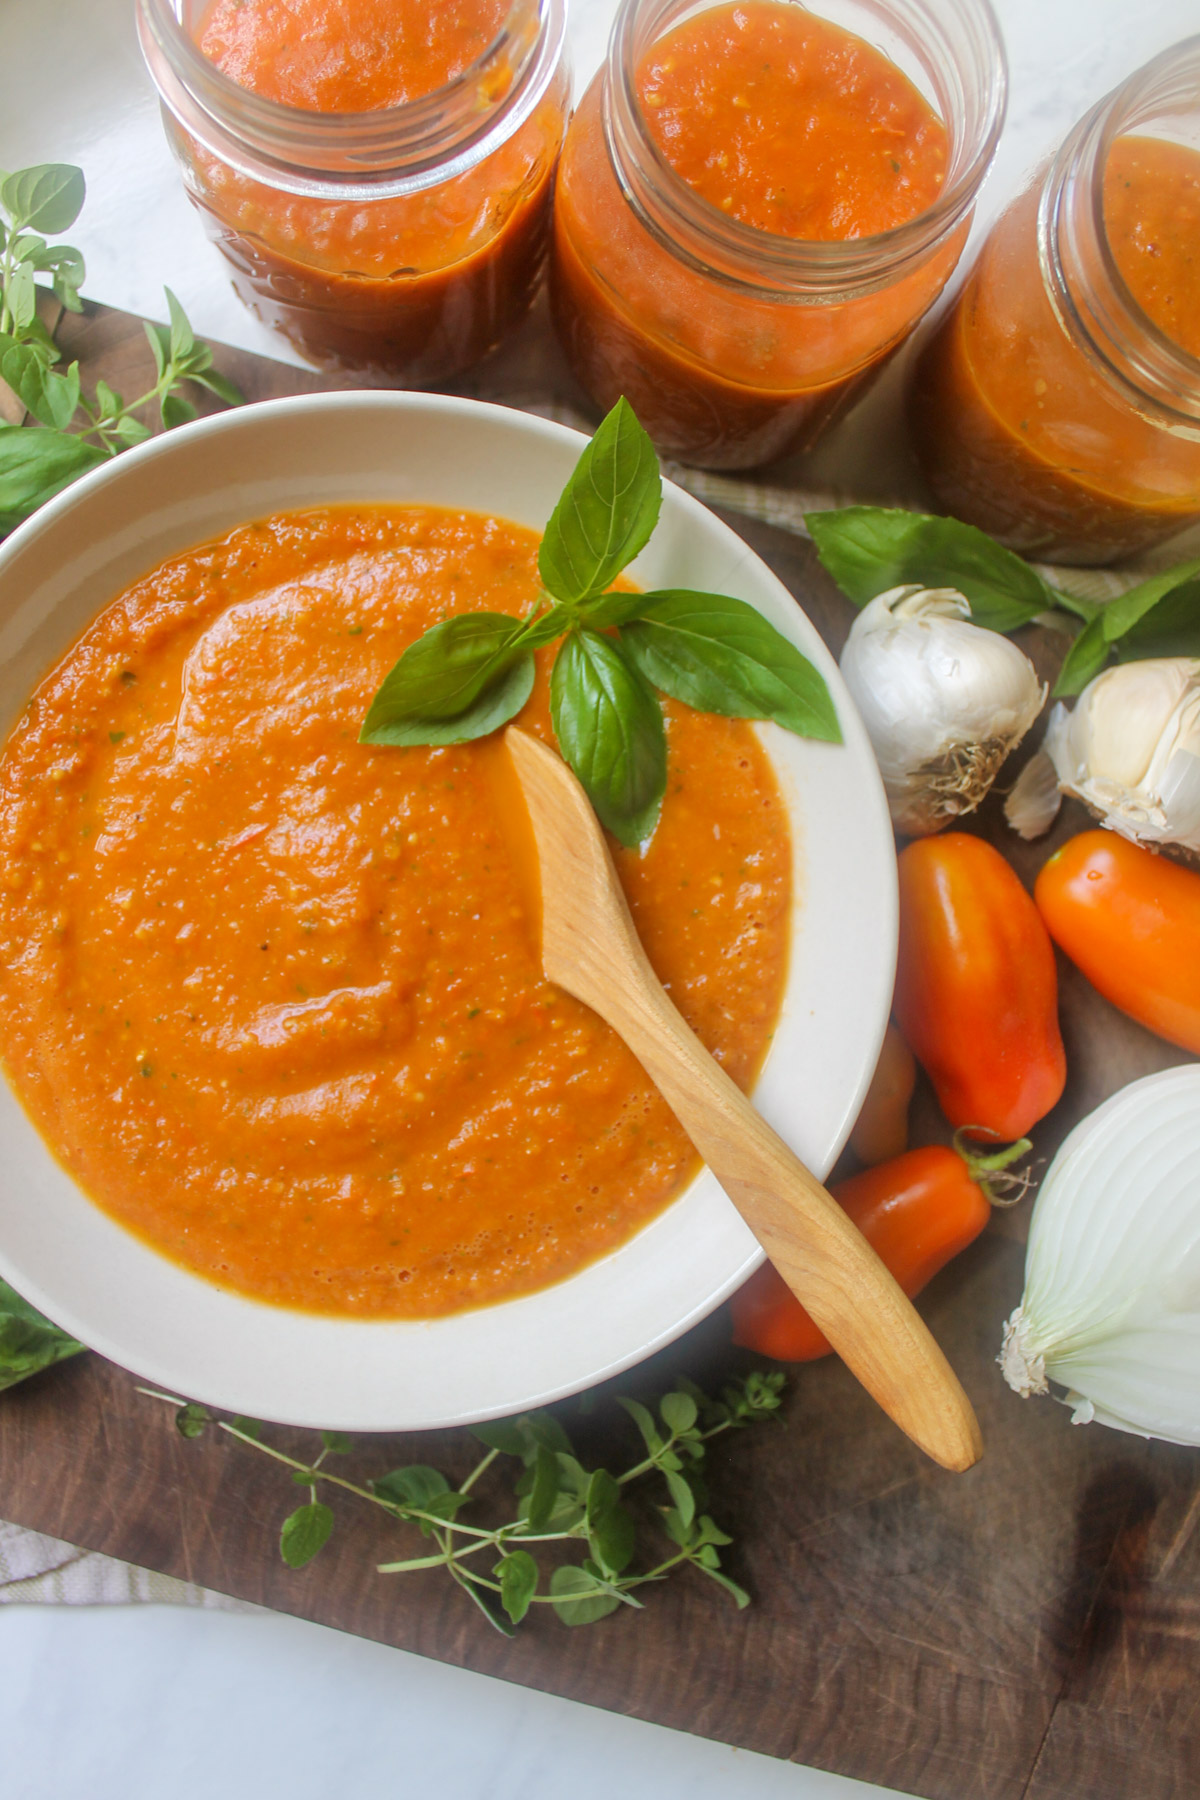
(1130, 921)
(976, 987)
(916, 1211)
(881, 1129)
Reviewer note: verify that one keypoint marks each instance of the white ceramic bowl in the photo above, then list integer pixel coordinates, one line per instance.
(176, 1329)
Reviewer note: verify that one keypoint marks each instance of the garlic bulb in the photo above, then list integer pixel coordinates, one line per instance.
(943, 701)
(1111, 1308)
(1130, 750)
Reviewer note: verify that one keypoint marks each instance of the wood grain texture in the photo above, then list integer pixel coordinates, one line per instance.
(590, 947)
(1026, 1631)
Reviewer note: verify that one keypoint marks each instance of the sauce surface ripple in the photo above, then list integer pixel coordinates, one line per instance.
(274, 997)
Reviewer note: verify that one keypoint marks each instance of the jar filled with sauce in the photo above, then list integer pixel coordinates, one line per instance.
(756, 203)
(377, 172)
(1058, 405)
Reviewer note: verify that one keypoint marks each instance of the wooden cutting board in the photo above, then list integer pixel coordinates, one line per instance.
(1029, 1629)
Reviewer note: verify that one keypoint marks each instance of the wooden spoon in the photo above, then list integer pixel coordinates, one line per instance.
(590, 946)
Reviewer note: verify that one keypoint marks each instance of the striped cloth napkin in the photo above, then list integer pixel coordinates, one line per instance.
(39, 1569)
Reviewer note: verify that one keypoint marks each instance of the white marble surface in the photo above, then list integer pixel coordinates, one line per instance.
(125, 1704)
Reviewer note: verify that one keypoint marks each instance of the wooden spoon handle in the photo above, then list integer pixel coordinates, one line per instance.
(824, 1259)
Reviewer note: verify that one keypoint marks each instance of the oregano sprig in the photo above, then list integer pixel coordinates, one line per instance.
(558, 1502)
(473, 673)
(869, 549)
(72, 434)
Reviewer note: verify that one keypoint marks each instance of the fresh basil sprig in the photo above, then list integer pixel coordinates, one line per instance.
(869, 549)
(559, 1505)
(35, 463)
(28, 1340)
(471, 674)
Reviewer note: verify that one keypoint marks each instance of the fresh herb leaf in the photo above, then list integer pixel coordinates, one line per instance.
(35, 463)
(606, 512)
(175, 410)
(544, 1492)
(1128, 610)
(611, 1534)
(721, 656)
(447, 686)
(251, 1428)
(643, 1418)
(610, 729)
(1170, 628)
(337, 1443)
(869, 549)
(579, 1599)
(415, 1485)
(191, 1419)
(183, 339)
(1084, 660)
(21, 296)
(51, 398)
(681, 1493)
(29, 1342)
(518, 1583)
(304, 1533)
(48, 197)
(504, 1435)
(679, 1411)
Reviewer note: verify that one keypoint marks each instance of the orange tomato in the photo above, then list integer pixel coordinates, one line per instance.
(881, 1129)
(1130, 920)
(916, 1211)
(976, 987)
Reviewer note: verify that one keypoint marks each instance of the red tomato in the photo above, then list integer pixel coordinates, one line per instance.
(916, 1212)
(1131, 921)
(976, 987)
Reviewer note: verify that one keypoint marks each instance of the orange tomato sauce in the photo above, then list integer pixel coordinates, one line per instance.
(274, 997)
(415, 287)
(1017, 432)
(789, 124)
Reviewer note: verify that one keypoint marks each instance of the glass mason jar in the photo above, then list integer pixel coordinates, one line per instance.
(1051, 408)
(732, 342)
(400, 244)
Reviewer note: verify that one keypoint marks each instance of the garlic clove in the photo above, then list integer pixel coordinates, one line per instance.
(1130, 750)
(1034, 801)
(944, 701)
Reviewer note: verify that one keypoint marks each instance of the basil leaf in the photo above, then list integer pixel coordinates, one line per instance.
(34, 464)
(29, 1342)
(48, 197)
(518, 1583)
(50, 397)
(1085, 659)
(159, 340)
(1129, 609)
(610, 729)
(337, 1443)
(606, 512)
(460, 680)
(579, 1599)
(505, 1435)
(304, 1533)
(612, 609)
(869, 549)
(1171, 627)
(720, 655)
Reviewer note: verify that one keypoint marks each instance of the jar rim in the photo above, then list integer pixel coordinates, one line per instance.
(693, 228)
(1147, 364)
(376, 154)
